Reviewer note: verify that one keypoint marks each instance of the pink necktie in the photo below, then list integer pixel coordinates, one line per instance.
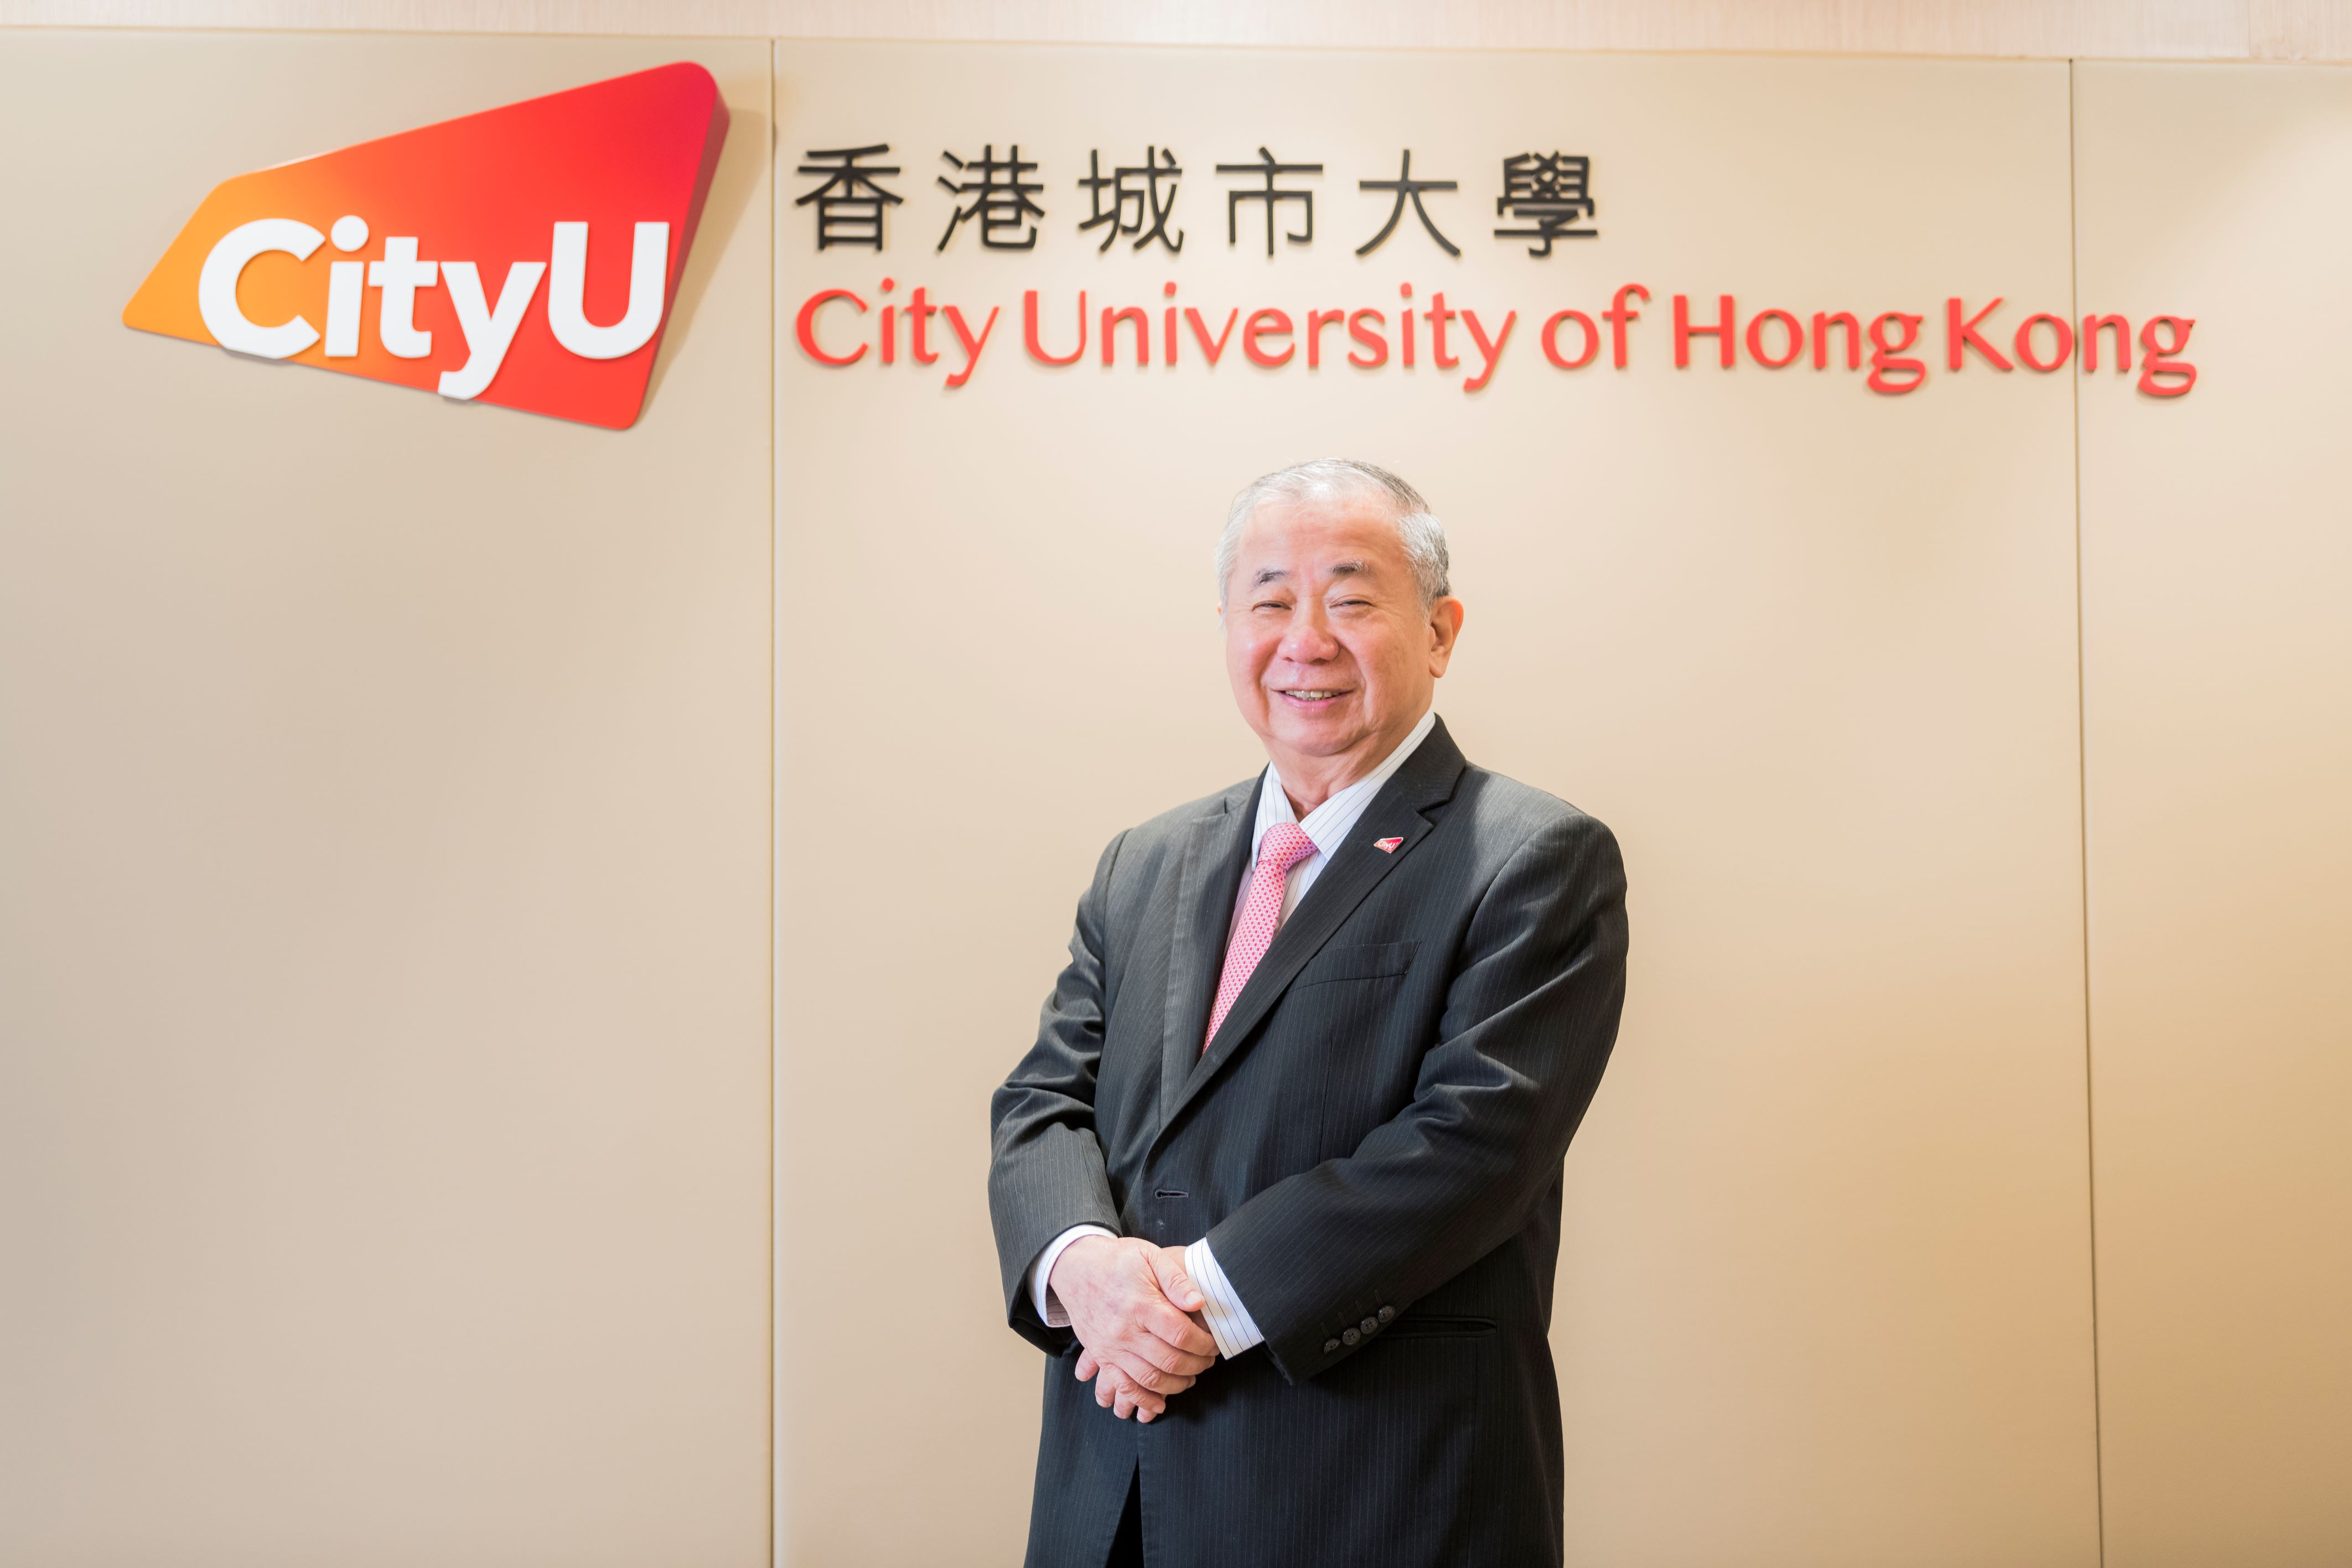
(1284, 846)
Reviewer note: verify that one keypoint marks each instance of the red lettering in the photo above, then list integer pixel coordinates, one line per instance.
(1883, 364)
(804, 327)
(1214, 350)
(1617, 315)
(2156, 359)
(919, 310)
(1756, 339)
(1822, 322)
(890, 334)
(1438, 316)
(1489, 354)
(1959, 335)
(1550, 340)
(1377, 342)
(1110, 320)
(1266, 324)
(1725, 320)
(2092, 327)
(1316, 321)
(971, 345)
(2024, 345)
(1029, 330)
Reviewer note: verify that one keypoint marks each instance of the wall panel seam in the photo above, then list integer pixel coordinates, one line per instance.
(775, 839)
(2083, 819)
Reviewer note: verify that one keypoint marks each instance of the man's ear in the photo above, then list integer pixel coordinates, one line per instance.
(1444, 629)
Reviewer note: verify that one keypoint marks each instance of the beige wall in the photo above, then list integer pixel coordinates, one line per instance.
(385, 863)
(383, 880)
(1826, 1282)
(2217, 622)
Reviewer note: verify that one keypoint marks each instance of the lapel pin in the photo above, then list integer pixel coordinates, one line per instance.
(1386, 846)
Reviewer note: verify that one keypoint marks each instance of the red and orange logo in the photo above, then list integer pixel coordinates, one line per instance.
(525, 255)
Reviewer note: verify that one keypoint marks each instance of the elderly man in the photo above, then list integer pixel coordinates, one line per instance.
(1278, 1187)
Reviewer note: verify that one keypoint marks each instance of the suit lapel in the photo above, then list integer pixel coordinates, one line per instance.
(1426, 780)
(1206, 884)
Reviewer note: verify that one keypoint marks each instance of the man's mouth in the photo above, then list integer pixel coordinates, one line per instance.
(1310, 694)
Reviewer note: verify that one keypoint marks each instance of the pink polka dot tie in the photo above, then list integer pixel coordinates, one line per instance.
(1284, 846)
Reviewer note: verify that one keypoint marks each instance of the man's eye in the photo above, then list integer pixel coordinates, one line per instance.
(1270, 604)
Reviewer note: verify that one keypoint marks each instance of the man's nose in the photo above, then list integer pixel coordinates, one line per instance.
(1307, 638)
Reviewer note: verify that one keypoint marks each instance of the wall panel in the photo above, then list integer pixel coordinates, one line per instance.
(2217, 568)
(384, 881)
(1824, 1297)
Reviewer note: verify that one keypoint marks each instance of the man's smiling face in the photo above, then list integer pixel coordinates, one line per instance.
(1332, 655)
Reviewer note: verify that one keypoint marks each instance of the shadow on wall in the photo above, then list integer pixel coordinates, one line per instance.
(738, 179)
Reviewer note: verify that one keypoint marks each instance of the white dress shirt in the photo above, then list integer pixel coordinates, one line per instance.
(1328, 825)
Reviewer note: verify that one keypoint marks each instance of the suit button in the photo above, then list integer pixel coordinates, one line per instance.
(1369, 1325)
(1329, 1346)
(1352, 1337)
(1388, 1314)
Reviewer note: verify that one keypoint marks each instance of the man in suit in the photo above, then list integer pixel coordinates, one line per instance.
(1278, 1187)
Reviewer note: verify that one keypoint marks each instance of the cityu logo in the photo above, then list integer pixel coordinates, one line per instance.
(527, 255)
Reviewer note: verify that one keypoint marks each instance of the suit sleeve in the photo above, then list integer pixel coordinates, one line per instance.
(1045, 1170)
(1528, 1022)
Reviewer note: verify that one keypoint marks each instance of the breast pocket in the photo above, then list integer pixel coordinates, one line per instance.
(1368, 961)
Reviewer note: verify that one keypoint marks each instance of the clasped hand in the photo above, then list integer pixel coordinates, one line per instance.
(1136, 1311)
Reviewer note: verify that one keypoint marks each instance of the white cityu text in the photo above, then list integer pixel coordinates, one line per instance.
(489, 328)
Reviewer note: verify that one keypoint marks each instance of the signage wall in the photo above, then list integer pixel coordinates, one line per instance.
(1808, 647)
(427, 819)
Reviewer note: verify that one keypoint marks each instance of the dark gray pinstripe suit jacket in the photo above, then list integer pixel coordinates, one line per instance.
(1372, 1145)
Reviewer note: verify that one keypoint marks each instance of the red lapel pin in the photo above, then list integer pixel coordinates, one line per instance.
(1386, 846)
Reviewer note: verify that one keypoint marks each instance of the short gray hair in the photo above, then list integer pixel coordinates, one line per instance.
(1423, 535)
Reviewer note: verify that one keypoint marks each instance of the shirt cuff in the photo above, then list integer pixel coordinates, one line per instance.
(1049, 1305)
(1228, 1321)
